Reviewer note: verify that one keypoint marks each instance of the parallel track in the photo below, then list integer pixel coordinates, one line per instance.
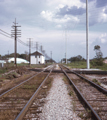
(17, 86)
(17, 98)
(94, 96)
(16, 102)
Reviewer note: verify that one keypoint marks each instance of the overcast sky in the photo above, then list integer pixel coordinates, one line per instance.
(53, 22)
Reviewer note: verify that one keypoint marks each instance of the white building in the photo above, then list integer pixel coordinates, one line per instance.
(37, 58)
(18, 60)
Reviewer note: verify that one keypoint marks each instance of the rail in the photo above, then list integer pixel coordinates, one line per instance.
(26, 107)
(95, 115)
(10, 90)
(92, 83)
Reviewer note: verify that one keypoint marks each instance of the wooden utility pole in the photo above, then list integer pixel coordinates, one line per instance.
(29, 50)
(41, 48)
(36, 46)
(51, 56)
(36, 51)
(15, 33)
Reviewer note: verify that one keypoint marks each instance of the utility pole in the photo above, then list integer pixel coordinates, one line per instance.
(8, 54)
(29, 50)
(36, 51)
(87, 29)
(51, 56)
(15, 34)
(41, 48)
(36, 46)
(65, 47)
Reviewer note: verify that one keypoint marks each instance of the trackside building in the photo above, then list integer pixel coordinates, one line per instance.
(37, 58)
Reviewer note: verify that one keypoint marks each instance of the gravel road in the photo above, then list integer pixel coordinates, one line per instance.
(58, 103)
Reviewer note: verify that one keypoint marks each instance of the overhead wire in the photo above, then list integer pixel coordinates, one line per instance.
(4, 32)
(5, 35)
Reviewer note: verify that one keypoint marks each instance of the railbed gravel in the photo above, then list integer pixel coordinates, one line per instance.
(58, 104)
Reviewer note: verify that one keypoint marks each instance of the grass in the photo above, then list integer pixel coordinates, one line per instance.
(74, 105)
(29, 87)
(96, 81)
(2, 70)
(81, 115)
(103, 67)
(71, 93)
(83, 65)
(10, 66)
(77, 64)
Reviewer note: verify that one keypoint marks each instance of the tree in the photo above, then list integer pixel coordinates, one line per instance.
(99, 55)
(76, 58)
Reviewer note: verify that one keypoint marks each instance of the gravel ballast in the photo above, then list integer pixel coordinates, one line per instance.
(58, 103)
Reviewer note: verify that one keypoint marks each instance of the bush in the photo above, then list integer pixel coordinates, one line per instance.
(97, 62)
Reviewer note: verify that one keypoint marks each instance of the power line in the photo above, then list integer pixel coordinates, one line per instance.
(22, 42)
(5, 32)
(5, 35)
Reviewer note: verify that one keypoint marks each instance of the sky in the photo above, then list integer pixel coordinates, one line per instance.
(58, 25)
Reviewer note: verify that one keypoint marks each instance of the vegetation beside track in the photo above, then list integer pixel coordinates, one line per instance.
(82, 65)
(10, 66)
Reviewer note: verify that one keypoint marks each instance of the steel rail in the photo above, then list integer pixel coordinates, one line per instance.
(95, 115)
(92, 83)
(26, 107)
(15, 87)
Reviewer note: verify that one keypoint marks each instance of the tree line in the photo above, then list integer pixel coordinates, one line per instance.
(23, 56)
(97, 60)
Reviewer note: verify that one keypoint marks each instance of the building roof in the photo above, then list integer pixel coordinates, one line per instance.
(18, 60)
(37, 53)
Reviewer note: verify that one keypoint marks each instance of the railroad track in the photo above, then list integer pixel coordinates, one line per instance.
(23, 102)
(15, 102)
(92, 96)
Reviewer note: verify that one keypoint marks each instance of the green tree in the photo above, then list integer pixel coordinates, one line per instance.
(99, 55)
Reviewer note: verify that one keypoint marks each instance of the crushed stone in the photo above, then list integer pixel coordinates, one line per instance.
(58, 103)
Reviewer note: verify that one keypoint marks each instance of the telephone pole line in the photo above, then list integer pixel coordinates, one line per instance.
(29, 50)
(51, 56)
(66, 46)
(15, 33)
(36, 46)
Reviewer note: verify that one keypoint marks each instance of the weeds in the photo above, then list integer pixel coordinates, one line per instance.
(89, 113)
(64, 78)
(71, 93)
(81, 115)
(74, 105)
(18, 101)
(29, 87)
(96, 81)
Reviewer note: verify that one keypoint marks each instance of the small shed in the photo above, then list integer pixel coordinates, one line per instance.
(37, 58)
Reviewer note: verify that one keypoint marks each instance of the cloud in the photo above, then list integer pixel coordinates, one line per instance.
(84, 1)
(101, 3)
(24, 11)
(101, 40)
(66, 10)
(58, 26)
(70, 3)
(105, 10)
(52, 17)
